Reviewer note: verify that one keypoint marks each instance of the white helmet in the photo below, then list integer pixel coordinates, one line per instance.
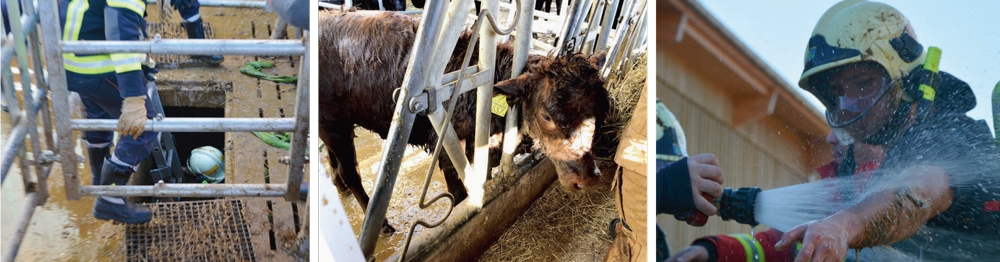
(207, 161)
(857, 30)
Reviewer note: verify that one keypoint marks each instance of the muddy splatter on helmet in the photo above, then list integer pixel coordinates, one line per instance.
(860, 31)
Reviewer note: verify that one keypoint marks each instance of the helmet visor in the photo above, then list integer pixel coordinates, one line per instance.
(849, 98)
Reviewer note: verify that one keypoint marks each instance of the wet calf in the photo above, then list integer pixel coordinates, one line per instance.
(363, 58)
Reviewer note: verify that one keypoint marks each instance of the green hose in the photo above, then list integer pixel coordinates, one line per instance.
(279, 139)
(253, 69)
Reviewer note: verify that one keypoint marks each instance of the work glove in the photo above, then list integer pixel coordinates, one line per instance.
(133, 118)
(165, 12)
(148, 66)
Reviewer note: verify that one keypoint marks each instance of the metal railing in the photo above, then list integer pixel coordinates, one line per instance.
(23, 42)
(440, 26)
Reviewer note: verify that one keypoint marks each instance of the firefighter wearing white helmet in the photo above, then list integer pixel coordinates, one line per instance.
(208, 164)
(879, 86)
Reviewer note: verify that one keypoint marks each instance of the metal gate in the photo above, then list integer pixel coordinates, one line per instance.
(25, 45)
(425, 87)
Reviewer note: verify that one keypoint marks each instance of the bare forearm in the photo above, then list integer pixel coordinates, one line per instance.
(895, 214)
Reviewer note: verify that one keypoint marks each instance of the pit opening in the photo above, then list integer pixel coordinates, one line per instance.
(185, 141)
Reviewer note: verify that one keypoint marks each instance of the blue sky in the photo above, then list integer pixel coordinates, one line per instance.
(968, 33)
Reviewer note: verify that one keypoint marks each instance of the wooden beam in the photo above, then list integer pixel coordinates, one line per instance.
(680, 28)
(748, 109)
(473, 237)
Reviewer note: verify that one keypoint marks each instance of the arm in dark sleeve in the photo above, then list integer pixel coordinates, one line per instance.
(735, 247)
(673, 189)
(123, 22)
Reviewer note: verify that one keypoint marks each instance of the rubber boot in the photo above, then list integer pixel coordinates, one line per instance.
(96, 157)
(196, 30)
(119, 208)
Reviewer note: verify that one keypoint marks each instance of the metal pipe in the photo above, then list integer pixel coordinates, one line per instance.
(10, 94)
(328, 5)
(188, 47)
(301, 132)
(484, 101)
(20, 48)
(49, 17)
(15, 141)
(27, 25)
(224, 3)
(40, 81)
(21, 227)
(194, 124)
(541, 15)
(609, 19)
(455, 152)
(568, 34)
(188, 190)
(16, 138)
(403, 118)
(587, 47)
(522, 45)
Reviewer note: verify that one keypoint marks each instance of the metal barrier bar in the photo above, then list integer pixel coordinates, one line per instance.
(328, 5)
(223, 3)
(484, 101)
(52, 36)
(522, 46)
(571, 26)
(188, 47)
(194, 124)
(27, 22)
(15, 141)
(16, 137)
(301, 131)
(403, 118)
(586, 46)
(455, 152)
(609, 19)
(624, 26)
(10, 94)
(31, 115)
(189, 190)
(21, 227)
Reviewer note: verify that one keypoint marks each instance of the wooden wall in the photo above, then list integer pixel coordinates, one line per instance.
(766, 153)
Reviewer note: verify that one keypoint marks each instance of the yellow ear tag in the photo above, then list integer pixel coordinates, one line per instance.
(499, 105)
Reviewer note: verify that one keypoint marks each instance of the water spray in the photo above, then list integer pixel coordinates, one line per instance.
(735, 205)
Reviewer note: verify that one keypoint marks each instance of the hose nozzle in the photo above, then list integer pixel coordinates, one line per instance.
(738, 205)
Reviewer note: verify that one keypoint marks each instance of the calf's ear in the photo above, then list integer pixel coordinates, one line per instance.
(598, 58)
(514, 88)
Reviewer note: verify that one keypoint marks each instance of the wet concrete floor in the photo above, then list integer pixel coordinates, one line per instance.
(64, 230)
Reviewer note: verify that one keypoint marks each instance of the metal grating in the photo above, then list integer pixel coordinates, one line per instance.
(213, 230)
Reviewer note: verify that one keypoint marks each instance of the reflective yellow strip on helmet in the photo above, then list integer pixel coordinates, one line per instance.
(137, 6)
(96, 64)
(211, 171)
(74, 19)
(125, 62)
(753, 251)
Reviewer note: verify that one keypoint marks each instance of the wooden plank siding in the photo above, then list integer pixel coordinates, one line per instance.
(729, 103)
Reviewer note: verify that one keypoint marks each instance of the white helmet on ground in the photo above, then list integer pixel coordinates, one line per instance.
(208, 161)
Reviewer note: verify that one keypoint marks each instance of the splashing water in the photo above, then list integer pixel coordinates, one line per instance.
(967, 233)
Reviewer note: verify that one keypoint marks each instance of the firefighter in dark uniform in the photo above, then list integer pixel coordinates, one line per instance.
(937, 199)
(112, 86)
(189, 10)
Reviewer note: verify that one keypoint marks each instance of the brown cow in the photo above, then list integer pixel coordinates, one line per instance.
(363, 58)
